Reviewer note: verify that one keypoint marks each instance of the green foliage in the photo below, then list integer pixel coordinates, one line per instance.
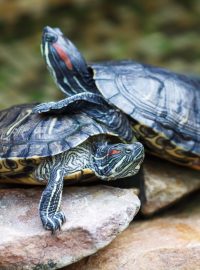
(164, 33)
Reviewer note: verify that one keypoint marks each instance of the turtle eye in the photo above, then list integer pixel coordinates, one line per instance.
(128, 151)
(114, 152)
(51, 37)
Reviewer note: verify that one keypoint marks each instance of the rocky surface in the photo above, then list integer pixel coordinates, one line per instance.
(165, 183)
(95, 216)
(171, 241)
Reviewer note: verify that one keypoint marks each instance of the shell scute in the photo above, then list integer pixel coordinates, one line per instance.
(162, 100)
(27, 135)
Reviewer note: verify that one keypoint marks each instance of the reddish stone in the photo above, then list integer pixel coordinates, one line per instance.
(165, 183)
(168, 242)
(95, 216)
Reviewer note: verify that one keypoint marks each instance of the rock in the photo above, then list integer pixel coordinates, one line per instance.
(161, 184)
(164, 183)
(168, 242)
(95, 216)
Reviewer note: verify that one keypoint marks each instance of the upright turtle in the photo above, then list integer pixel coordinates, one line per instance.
(163, 106)
(44, 149)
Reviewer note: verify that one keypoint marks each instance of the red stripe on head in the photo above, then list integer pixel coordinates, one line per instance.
(63, 55)
(114, 152)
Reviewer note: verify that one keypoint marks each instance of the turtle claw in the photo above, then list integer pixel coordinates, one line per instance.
(53, 222)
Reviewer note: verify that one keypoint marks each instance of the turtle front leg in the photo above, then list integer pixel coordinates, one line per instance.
(94, 106)
(75, 102)
(52, 219)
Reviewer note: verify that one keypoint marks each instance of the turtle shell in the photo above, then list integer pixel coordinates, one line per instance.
(27, 135)
(157, 98)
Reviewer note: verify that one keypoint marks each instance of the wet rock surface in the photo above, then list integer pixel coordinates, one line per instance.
(164, 183)
(95, 216)
(171, 241)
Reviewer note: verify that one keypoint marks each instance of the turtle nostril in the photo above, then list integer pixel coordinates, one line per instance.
(58, 31)
(50, 37)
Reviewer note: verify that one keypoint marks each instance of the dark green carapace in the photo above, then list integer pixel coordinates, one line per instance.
(162, 107)
(46, 149)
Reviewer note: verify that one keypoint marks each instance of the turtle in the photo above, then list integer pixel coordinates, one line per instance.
(162, 107)
(45, 149)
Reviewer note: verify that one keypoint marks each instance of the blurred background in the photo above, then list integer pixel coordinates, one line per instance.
(164, 33)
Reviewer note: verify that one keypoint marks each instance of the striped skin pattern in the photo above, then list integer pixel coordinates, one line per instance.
(53, 51)
(47, 149)
(158, 101)
(107, 162)
(73, 160)
(72, 85)
(51, 216)
(113, 160)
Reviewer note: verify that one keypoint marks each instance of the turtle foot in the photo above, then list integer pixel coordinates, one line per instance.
(53, 222)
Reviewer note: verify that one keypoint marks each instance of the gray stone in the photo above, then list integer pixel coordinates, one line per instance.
(165, 183)
(168, 242)
(95, 216)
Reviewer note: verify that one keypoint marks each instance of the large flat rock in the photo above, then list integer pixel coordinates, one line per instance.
(168, 242)
(161, 184)
(164, 183)
(95, 216)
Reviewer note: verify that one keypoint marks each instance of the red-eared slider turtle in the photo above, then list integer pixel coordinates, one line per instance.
(163, 106)
(46, 149)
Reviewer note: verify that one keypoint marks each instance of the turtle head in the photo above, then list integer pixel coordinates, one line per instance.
(65, 62)
(118, 161)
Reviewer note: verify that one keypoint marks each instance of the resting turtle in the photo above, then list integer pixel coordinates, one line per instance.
(35, 148)
(163, 106)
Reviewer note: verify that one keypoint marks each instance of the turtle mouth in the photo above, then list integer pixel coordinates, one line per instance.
(138, 164)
